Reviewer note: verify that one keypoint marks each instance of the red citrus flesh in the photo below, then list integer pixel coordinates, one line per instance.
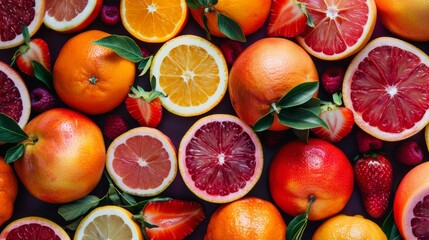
(34, 228)
(220, 158)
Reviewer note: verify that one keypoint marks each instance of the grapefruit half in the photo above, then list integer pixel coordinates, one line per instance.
(386, 86)
(34, 228)
(220, 158)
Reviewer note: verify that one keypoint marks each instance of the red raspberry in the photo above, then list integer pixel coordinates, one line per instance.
(332, 79)
(231, 49)
(110, 14)
(367, 143)
(114, 125)
(42, 100)
(409, 152)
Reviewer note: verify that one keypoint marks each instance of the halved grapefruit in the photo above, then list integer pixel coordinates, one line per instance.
(341, 29)
(220, 158)
(34, 228)
(142, 161)
(13, 15)
(14, 97)
(386, 86)
(70, 15)
(411, 203)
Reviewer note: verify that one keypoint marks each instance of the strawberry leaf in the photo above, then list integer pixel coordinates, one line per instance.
(300, 118)
(124, 46)
(14, 153)
(43, 74)
(10, 131)
(193, 4)
(230, 28)
(298, 95)
(309, 18)
(144, 65)
(264, 123)
(79, 207)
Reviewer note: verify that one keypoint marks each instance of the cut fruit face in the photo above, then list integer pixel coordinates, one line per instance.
(192, 72)
(14, 14)
(14, 97)
(341, 29)
(142, 161)
(154, 21)
(386, 86)
(108, 222)
(220, 158)
(34, 228)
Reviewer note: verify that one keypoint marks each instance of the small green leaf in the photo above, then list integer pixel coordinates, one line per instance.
(204, 3)
(25, 34)
(137, 207)
(127, 199)
(124, 46)
(309, 18)
(313, 105)
(193, 4)
(214, 2)
(300, 118)
(206, 26)
(298, 224)
(302, 135)
(298, 95)
(337, 98)
(264, 123)
(230, 28)
(144, 65)
(14, 153)
(10, 131)
(79, 207)
(43, 74)
(73, 226)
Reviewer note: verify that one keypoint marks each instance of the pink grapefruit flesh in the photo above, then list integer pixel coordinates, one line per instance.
(34, 228)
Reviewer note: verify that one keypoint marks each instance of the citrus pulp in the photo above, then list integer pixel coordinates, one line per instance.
(34, 228)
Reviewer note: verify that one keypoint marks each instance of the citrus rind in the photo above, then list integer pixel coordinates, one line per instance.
(46, 223)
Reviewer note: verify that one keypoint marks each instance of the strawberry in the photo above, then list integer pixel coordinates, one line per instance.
(288, 19)
(172, 219)
(374, 176)
(145, 107)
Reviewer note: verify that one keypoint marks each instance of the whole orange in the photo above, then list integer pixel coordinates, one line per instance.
(406, 19)
(263, 73)
(318, 168)
(8, 191)
(246, 218)
(65, 159)
(91, 78)
(249, 15)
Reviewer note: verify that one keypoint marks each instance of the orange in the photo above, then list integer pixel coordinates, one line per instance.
(406, 19)
(154, 21)
(8, 191)
(64, 158)
(263, 73)
(246, 218)
(249, 15)
(317, 168)
(91, 78)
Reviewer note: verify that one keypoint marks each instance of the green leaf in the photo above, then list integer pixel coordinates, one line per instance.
(298, 224)
(302, 134)
(298, 95)
(43, 74)
(313, 105)
(193, 4)
(300, 118)
(204, 3)
(264, 123)
(10, 131)
(73, 226)
(137, 207)
(144, 65)
(79, 207)
(26, 35)
(230, 28)
(14, 153)
(127, 199)
(206, 26)
(337, 98)
(390, 229)
(124, 46)
(309, 18)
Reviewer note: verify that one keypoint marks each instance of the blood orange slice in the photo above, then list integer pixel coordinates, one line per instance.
(220, 158)
(142, 161)
(341, 29)
(411, 203)
(386, 86)
(34, 228)
(70, 15)
(13, 15)
(14, 98)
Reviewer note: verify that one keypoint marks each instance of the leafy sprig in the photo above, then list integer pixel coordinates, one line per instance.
(11, 132)
(298, 224)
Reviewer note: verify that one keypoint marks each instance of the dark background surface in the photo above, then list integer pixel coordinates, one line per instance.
(175, 127)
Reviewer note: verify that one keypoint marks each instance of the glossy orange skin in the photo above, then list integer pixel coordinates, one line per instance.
(66, 161)
(263, 73)
(8, 191)
(317, 168)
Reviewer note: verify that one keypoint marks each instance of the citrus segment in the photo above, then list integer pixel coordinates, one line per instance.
(220, 158)
(153, 20)
(341, 29)
(13, 15)
(192, 72)
(34, 228)
(386, 86)
(142, 161)
(70, 15)
(108, 222)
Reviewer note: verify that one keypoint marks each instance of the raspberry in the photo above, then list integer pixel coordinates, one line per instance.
(409, 152)
(114, 125)
(42, 100)
(231, 49)
(366, 142)
(332, 79)
(109, 14)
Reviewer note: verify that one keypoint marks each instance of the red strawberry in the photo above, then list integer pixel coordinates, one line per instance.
(145, 107)
(374, 176)
(34, 50)
(288, 19)
(173, 219)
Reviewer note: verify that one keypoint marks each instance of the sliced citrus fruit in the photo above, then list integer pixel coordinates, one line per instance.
(386, 86)
(13, 15)
(153, 20)
(220, 158)
(70, 15)
(411, 203)
(341, 28)
(34, 228)
(14, 98)
(142, 161)
(108, 222)
(192, 72)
